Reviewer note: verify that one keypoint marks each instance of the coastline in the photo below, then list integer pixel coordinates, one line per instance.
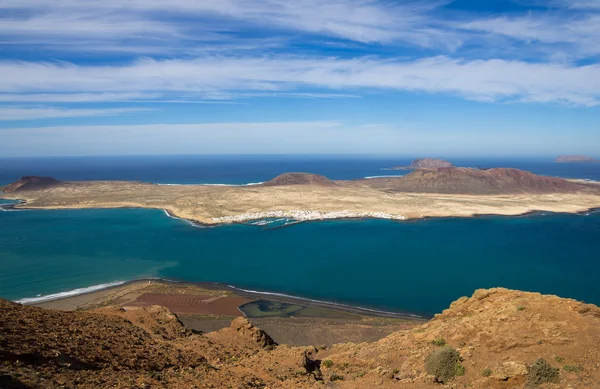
(93, 297)
(311, 216)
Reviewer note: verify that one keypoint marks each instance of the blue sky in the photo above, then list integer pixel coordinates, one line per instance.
(144, 77)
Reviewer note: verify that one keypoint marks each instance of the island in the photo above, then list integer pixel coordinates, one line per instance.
(423, 163)
(441, 192)
(575, 159)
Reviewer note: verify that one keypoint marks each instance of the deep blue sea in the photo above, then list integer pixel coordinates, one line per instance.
(418, 266)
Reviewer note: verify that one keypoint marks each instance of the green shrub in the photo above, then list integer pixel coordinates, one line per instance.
(441, 342)
(541, 372)
(444, 364)
(572, 369)
(336, 377)
(520, 308)
(487, 372)
(559, 359)
(327, 363)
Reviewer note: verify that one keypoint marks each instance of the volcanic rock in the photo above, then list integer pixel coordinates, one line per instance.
(300, 179)
(31, 183)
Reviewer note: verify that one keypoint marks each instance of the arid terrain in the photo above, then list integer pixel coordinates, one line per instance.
(441, 192)
(497, 339)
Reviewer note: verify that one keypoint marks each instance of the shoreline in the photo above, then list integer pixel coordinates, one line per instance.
(246, 219)
(107, 288)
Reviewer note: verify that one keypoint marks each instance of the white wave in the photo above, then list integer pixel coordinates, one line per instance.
(324, 302)
(384, 176)
(69, 293)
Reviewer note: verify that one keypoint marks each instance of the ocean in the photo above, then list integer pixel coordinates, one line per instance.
(417, 266)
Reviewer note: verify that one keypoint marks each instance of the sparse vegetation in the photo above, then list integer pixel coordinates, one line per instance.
(336, 377)
(487, 372)
(520, 308)
(441, 342)
(541, 372)
(327, 363)
(559, 359)
(572, 368)
(395, 371)
(444, 364)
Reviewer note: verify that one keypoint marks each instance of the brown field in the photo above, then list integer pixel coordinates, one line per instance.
(193, 304)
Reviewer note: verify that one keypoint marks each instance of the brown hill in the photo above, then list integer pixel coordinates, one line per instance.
(476, 181)
(300, 179)
(494, 337)
(424, 163)
(574, 159)
(31, 183)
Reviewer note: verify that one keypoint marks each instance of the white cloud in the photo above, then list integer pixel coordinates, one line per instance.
(75, 97)
(185, 21)
(18, 113)
(487, 80)
(577, 36)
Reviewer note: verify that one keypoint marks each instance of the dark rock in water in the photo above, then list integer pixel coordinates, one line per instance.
(427, 163)
(31, 183)
(574, 159)
(300, 179)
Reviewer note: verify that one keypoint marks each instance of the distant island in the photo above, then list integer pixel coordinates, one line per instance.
(425, 192)
(423, 163)
(575, 159)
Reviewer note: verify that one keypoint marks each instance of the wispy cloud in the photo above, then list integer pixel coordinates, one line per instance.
(486, 80)
(76, 97)
(316, 137)
(186, 21)
(29, 113)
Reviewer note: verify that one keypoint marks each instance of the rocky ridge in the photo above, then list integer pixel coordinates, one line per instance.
(502, 339)
(476, 181)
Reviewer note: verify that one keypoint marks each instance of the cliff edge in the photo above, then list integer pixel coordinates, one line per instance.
(496, 339)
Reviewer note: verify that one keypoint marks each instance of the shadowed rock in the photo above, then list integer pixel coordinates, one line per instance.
(31, 183)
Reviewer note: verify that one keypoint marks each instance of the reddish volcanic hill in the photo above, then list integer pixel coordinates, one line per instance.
(31, 183)
(300, 179)
(476, 181)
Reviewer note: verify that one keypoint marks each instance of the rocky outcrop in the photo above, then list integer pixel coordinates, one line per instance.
(574, 159)
(242, 326)
(476, 181)
(504, 339)
(28, 183)
(300, 179)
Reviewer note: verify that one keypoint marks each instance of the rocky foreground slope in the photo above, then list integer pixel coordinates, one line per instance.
(498, 338)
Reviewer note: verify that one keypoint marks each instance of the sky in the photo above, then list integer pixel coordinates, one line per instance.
(370, 77)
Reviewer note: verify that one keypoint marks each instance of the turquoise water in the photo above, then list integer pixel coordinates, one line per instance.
(418, 266)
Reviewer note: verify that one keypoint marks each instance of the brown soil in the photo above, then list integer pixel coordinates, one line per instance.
(499, 334)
